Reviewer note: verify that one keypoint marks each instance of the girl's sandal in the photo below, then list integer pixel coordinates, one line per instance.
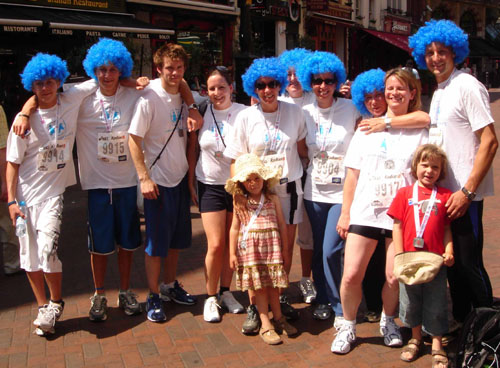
(439, 359)
(412, 348)
(270, 336)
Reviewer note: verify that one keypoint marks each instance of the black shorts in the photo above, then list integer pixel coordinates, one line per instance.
(213, 198)
(371, 232)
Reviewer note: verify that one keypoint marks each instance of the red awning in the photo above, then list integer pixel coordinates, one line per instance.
(397, 40)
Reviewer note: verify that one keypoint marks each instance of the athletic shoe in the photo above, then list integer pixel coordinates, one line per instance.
(252, 322)
(372, 317)
(211, 310)
(127, 301)
(228, 301)
(337, 323)
(322, 312)
(47, 317)
(98, 308)
(154, 307)
(176, 294)
(283, 327)
(287, 310)
(345, 337)
(390, 330)
(308, 290)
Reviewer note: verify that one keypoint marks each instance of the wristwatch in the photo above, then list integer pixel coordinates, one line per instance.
(387, 122)
(193, 106)
(470, 195)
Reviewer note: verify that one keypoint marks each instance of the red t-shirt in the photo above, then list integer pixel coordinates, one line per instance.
(402, 210)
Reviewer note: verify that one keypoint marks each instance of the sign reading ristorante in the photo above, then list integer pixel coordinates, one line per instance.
(102, 5)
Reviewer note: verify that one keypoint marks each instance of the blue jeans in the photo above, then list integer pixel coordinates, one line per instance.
(327, 252)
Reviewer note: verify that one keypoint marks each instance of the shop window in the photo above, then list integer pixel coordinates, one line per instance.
(468, 23)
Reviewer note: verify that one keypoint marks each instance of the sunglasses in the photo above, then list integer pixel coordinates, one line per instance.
(272, 84)
(319, 81)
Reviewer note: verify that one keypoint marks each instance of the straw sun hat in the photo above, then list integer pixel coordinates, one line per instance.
(248, 164)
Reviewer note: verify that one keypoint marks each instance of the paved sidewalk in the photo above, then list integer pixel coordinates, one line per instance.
(185, 340)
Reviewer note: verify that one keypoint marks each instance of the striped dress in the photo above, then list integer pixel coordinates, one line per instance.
(260, 263)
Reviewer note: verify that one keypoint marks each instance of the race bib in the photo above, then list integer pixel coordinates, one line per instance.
(111, 147)
(328, 169)
(436, 136)
(276, 161)
(53, 156)
(385, 188)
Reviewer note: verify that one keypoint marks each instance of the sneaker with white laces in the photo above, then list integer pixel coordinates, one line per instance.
(211, 310)
(98, 308)
(228, 301)
(176, 294)
(154, 308)
(252, 323)
(47, 317)
(337, 323)
(127, 301)
(390, 330)
(308, 290)
(346, 335)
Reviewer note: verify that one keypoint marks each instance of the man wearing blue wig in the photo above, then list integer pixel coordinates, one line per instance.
(39, 168)
(462, 124)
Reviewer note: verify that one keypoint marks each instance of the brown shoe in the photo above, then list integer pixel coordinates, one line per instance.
(270, 336)
(283, 327)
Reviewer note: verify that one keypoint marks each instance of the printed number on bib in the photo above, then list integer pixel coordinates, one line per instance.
(436, 136)
(385, 189)
(53, 157)
(275, 162)
(111, 147)
(328, 169)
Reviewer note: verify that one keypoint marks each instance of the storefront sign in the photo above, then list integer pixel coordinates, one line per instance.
(317, 5)
(72, 32)
(20, 29)
(277, 9)
(334, 10)
(101, 5)
(396, 26)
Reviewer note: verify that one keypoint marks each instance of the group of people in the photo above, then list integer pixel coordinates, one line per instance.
(358, 175)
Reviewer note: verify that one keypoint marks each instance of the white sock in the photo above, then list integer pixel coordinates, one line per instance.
(170, 285)
(305, 278)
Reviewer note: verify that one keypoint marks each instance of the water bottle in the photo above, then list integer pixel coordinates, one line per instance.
(20, 222)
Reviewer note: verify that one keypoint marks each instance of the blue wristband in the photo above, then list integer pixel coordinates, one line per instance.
(11, 203)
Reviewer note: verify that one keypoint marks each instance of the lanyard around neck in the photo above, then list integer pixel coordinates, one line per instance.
(252, 220)
(273, 141)
(420, 227)
(318, 124)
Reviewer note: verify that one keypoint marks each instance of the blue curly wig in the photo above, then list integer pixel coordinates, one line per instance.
(443, 31)
(366, 82)
(320, 62)
(265, 67)
(44, 66)
(108, 51)
(292, 58)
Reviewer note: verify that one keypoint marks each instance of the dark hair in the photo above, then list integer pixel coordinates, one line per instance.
(172, 51)
(429, 152)
(265, 188)
(223, 72)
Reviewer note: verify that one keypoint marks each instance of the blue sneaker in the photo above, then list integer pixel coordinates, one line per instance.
(177, 294)
(154, 307)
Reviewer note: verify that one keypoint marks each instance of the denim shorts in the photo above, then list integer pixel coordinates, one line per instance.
(426, 305)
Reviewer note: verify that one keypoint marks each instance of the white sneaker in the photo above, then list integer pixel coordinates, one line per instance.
(338, 322)
(390, 330)
(345, 337)
(47, 317)
(307, 289)
(211, 310)
(228, 301)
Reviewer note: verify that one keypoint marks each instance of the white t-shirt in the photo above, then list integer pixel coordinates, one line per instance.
(102, 140)
(255, 132)
(460, 106)
(325, 175)
(306, 99)
(212, 166)
(154, 118)
(384, 161)
(46, 155)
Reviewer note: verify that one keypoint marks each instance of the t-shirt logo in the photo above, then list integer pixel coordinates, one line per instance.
(51, 127)
(422, 205)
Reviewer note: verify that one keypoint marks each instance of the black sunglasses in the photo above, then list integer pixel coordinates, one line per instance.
(319, 81)
(272, 84)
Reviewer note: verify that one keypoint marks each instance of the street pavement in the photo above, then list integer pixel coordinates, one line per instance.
(185, 340)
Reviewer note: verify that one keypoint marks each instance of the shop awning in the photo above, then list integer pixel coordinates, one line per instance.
(480, 47)
(339, 20)
(65, 22)
(397, 40)
(192, 5)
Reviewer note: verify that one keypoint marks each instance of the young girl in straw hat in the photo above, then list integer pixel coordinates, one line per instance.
(258, 249)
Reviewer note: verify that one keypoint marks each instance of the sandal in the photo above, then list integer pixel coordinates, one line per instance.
(439, 358)
(413, 348)
(270, 336)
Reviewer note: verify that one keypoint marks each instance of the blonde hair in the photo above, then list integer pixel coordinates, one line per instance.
(408, 79)
(429, 152)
